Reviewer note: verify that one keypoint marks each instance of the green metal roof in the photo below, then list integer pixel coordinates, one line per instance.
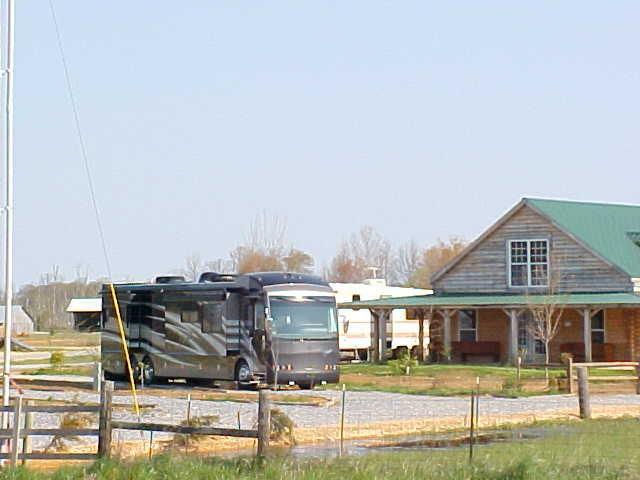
(610, 230)
(427, 301)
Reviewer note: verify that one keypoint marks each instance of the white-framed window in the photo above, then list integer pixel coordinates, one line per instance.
(467, 325)
(528, 263)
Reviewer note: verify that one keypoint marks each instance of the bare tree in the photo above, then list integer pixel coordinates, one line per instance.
(344, 268)
(192, 267)
(546, 310)
(266, 249)
(407, 261)
(267, 234)
(364, 250)
(219, 265)
(298, 261)
(433, 258)
(47, 301)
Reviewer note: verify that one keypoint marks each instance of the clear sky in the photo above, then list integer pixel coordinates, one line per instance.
(423, 119)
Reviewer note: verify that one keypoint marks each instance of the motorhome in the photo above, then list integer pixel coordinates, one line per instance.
(355, 325)
(259, 327)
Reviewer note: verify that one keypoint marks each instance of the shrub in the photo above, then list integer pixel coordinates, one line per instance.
(282, 427)
(404, 361)
(57, 359)
(69, 421)
(181, 440)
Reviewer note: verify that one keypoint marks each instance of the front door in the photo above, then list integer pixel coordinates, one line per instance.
(529, 348)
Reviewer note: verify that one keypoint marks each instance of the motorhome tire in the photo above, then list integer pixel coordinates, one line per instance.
(148, 373)
(242, 373)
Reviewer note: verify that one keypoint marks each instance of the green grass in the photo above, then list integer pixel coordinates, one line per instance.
(600, 449)
(434, 370)
(62, 370)
(448, 379)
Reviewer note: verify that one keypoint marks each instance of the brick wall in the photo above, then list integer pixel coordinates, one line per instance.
(622, 329)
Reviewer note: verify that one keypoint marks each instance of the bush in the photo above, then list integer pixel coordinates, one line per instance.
(57, 359)
(69, 421)
(404, 361)
(282, 427)
(182, 440)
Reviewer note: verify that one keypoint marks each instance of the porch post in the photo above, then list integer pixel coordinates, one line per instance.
(375, 336)
(382, 329)
(447, 333)
(586, 315)
(513, 335)
(421, 329)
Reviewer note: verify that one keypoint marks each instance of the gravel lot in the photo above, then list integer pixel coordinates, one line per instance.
(361, 408)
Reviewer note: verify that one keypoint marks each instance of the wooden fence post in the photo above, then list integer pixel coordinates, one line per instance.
(264, 422)
(15, 441)
(583, 392)
(26, 441)
(97, 376)
(342, 408)
(638, 381)
(570, 374)
(106, 401)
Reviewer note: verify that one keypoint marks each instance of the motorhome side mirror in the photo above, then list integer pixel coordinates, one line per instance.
(345, 323)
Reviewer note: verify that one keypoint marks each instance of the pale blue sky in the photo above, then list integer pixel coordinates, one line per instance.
(423, 119)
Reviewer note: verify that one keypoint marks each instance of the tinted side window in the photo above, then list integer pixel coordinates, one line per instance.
(211, 314)
(189, 316)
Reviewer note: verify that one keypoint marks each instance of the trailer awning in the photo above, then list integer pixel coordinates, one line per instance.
(499, 301)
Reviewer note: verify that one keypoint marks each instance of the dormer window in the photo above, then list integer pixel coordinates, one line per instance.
(528, 263)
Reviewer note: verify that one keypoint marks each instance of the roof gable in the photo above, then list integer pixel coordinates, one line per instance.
(609, 230)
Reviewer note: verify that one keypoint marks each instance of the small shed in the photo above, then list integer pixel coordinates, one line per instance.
(86, 313)
(22, 323)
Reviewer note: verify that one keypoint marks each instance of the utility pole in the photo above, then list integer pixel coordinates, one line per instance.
(8, 212)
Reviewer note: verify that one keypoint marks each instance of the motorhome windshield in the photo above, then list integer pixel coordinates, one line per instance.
(303, 317)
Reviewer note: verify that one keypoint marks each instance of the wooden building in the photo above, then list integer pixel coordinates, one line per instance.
(22, 323)
(578, 263)
(85, 313)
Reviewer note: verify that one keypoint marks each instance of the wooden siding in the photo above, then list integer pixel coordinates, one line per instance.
(484, 269)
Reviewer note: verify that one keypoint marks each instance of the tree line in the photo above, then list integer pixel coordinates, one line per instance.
(364, 254)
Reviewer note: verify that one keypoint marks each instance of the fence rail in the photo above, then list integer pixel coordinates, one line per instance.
(21, 431)
(633, 377)
(163, 427)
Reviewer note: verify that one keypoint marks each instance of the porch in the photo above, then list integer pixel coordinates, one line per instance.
(496, 328)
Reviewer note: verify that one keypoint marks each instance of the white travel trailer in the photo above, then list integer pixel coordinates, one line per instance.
(355, 325)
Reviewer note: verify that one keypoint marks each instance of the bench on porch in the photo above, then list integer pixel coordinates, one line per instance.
(600, 352)
(468, 348)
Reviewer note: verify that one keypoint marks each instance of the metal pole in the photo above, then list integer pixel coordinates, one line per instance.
(8, 261)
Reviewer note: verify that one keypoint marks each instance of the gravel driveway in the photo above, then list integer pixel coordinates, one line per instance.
(361, 408)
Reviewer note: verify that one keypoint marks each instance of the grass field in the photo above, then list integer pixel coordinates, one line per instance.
(442, 379)
(598, 449)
